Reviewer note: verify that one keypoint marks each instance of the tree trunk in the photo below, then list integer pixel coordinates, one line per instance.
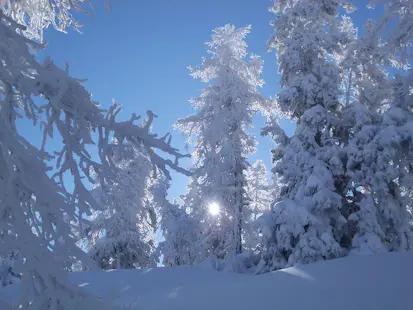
(238, 205)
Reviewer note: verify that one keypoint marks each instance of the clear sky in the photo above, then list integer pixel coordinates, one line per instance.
(138, 54)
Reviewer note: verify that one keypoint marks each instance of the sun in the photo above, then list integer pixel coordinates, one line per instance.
(214, 209)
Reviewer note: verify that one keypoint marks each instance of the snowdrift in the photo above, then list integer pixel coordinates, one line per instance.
(360, 282)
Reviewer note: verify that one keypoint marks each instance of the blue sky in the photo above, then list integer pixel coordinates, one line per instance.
(138, 54)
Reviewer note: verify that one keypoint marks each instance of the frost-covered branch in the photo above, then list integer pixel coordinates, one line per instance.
(35, 201)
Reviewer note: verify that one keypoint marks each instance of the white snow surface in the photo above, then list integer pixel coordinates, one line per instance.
(357, 282)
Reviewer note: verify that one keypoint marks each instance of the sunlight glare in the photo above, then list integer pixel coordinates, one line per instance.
(214, 209)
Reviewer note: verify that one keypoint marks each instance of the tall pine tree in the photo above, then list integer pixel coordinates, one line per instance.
(223, 114)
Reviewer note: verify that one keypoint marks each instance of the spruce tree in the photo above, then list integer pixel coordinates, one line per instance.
(306, 224)
(379, 148)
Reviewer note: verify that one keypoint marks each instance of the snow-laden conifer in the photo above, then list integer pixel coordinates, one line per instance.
(218, 133)
(306, 224)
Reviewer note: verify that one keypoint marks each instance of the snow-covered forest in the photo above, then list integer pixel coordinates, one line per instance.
(93, 196)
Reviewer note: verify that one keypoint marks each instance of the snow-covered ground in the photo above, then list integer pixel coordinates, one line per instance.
(363, 282)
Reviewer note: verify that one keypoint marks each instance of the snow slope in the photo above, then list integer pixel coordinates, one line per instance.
(359, 282)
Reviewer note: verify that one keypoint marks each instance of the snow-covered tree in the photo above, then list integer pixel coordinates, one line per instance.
(221, 142)
(258, 189)
(379, 164)
(368, 80)
(275, 187)
(306, 225)
(179, 232)
(178, 229)
(120, 235)
(35, 202)
(368, 130)
(261, 196)
(378, 152)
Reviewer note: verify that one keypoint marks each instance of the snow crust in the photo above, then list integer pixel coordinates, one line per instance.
(377, 282)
